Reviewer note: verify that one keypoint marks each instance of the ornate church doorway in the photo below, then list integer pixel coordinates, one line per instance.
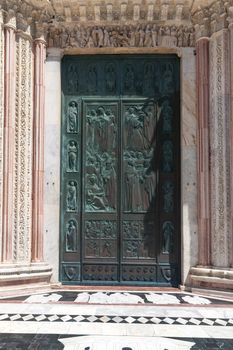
(120, 170)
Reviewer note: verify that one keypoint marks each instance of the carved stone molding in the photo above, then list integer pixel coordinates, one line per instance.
(219, 150)
(146, 35)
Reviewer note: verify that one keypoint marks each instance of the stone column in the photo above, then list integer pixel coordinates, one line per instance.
(9, 131)
(203, 144)
(52, 157)
(231, 128)
(38, 150)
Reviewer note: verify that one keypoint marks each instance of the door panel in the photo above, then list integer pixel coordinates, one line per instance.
(120, 174)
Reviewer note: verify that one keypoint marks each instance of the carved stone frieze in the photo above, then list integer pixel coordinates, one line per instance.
(147, 35)
(219, 146)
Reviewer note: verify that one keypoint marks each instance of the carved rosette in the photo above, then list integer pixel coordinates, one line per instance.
(23, 150)
(219, 149)
(1, 115)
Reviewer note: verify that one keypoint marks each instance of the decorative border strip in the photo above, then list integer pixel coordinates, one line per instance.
(188, 321)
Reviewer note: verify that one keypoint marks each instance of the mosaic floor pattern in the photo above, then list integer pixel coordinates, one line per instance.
(120, 320)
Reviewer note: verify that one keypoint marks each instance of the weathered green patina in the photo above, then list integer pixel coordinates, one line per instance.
(120, 171)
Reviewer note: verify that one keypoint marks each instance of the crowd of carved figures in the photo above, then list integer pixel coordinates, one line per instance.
(149, 35)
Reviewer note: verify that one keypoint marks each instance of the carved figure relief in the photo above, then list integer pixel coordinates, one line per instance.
(92, 79)
(136, 239)
(168, 80)
(168, 237)
(167, 117)
(71, 236)
(71, 197)
(129, 78)
(167, 157)
(72, 117)
(149, 35)
(168, 197)
(100, 238)
(110, 78)
(72, 78)
(139, 178)
(148, 87)
(72, 156)
(101, 128)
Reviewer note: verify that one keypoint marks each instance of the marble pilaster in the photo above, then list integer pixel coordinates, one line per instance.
(23, 149)
(38, 150)
(9, 132)
(219, 150)
(52, 158)
(231, 130)
(202, 86)
(1, 118)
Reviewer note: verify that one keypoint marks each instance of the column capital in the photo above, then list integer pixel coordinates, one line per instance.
(203, 38)
(54, 54)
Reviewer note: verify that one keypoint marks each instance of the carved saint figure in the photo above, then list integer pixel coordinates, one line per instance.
(168, 82)
(73, 81)
(72, 156)
(92, 79)
(71, 198)
(110, 78)
(167, 116)
(129, 78)
(168, 197)
(167, 154)
(72, 117)
(148, 79)
(109, 181)
(71, 235)
(168, 234)
(106, 251)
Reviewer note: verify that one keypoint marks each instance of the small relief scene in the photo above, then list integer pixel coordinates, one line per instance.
(72, 156)
(101, 162)
(139, 172)
(71, 196)
(100, 239)
(71, 236)
(138, 240)
(72, 117)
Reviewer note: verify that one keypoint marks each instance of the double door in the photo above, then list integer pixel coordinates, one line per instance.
(120, 212)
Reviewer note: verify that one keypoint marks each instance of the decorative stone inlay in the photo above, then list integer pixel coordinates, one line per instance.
(122, 342)
(219, 146)
(23, 151)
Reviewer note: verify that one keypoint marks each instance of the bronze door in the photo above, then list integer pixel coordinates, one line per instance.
(120, 171)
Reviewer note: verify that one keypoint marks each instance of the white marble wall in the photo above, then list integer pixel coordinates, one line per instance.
(188, 174)
(52, 159)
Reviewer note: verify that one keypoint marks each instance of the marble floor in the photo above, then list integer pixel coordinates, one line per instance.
(112, 320)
